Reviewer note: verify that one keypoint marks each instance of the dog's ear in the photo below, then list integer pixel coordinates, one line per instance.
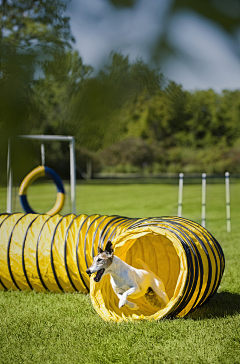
(109, 247)
(99, 250)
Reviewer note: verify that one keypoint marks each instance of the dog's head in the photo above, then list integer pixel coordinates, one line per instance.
(101, 262)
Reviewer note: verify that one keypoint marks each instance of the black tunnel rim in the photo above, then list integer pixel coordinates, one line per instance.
(99, 242)
(51, 251)
(65, 254)
(23, 252)
(184, 300)
(201, 242)
(103, 236)
(113, 233)
(77, 256)
(207, 292)
(104, 230)
(7, 216)
(208, 237)
(115, 218)
(201, 265)
(192, 283)
(175, 221)
(86, 235)
(8, 252)
(37, 257)
(96, 231)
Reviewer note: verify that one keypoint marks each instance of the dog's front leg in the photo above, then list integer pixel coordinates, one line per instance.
(124, 296)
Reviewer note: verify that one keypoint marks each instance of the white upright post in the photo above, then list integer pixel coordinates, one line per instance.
(180, 194)
(228, 202)
(43, 154)
(73, 174)
(204, 200)
(9, 179)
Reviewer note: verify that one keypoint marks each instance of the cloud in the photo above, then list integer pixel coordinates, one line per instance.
(100, 28)
(205, 57)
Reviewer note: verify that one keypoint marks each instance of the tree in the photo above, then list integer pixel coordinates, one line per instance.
(30, 32)
(26, 28)
(203, 126)
(166, 117)
(229, 116)
(61, 78)
(104, 104)
(34, 23)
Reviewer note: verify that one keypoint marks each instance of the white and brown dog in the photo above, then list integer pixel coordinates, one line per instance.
(126, 280)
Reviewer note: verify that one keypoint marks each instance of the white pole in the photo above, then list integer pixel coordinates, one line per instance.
(47, 137)
(73, 174)
(9, 179)
(43, 154)
(228, 202)
(180, 194)
(204, 200)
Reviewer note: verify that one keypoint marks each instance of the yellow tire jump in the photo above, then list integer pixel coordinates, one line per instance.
(52, 253)
(42, 171)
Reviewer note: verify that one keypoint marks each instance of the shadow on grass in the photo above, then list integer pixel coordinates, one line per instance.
(222, 304)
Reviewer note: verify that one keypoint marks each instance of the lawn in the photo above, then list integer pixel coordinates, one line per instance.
(64, 328)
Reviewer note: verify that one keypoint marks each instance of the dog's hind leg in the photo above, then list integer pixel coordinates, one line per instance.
(158, 287)
(156, 283)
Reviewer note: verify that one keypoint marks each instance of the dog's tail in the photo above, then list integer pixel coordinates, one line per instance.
(144, 265)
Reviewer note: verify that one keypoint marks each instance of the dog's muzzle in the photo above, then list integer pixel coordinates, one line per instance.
(88, 272)
(98, 276)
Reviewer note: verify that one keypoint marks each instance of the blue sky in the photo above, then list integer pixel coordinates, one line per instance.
(206, 56)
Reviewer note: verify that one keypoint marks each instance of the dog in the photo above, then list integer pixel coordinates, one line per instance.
(127, 281)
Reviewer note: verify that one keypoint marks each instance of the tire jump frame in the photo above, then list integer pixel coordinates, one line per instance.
(52, 253)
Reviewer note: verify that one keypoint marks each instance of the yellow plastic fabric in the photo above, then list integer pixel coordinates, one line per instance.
(165, 259)
(43, 252)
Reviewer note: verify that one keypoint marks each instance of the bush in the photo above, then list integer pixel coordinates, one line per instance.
(132, 151)
(136, 155)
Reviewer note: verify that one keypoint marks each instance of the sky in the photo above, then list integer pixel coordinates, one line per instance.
(205, 55)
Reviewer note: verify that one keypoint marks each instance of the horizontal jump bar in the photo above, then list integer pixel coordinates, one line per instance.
(47, 137)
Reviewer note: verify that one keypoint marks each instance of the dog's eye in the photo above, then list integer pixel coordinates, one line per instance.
(99, 260)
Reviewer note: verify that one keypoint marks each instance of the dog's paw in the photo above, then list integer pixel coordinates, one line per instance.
(121, 303)
(133, 306)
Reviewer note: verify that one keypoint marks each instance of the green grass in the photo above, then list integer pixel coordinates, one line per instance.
(64, 328)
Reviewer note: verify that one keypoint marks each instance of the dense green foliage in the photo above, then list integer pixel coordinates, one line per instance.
(126, 117)
(31, 23)
(31, 33)
(129, 118)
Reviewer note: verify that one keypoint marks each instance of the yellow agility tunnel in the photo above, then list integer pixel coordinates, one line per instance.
(52, 253)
